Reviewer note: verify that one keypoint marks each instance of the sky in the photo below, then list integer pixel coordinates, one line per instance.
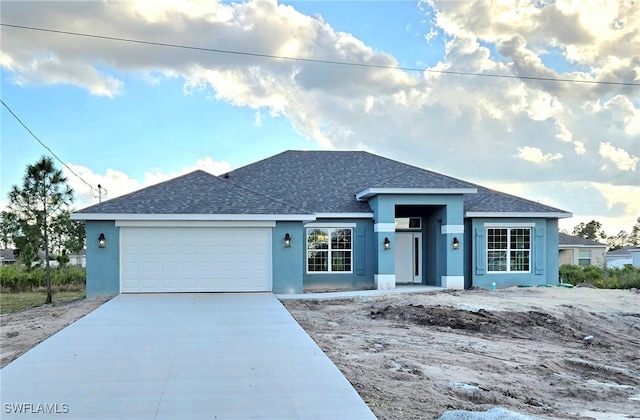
(126, 115)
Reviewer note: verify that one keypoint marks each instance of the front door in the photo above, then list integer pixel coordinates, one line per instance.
(408, 257)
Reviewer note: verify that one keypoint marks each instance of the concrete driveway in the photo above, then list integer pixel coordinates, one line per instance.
(180, 356)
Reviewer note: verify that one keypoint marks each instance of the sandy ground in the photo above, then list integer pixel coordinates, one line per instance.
(20, 331)
(416, 356)
(420, 355)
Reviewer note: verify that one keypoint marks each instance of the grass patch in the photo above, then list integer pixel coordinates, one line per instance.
(19, 301)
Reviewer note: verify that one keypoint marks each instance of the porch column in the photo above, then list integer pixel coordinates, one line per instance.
(385, 277)
(453, 235)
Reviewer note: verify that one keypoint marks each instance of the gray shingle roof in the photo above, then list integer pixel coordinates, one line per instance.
(327, 181)
(491, 201)
(301, 182)
(569, 240)
(195, 193)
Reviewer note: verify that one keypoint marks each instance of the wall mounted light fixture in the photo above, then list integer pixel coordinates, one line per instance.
(102, 241)
(387, 243)
(287, 240)
(456, 243)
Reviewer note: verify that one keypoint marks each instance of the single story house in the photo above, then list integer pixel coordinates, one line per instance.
(624, 256)
(7, 256)
(575, 250)
(317, 221)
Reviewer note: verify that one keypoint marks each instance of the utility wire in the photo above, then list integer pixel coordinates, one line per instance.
(44, 145)
(311, 60)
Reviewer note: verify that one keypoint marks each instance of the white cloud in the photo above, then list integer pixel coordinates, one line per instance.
(535, 155)
(117, 183)
(469, 127)
(620, 157)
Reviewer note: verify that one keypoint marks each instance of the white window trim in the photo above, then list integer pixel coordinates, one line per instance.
(508, 250)
(310, 227)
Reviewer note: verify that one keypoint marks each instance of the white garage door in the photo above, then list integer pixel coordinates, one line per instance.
(209, 259)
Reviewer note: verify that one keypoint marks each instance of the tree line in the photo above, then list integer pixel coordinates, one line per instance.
(594, 231)
(39, 218)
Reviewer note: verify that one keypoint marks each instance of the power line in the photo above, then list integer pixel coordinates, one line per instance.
(311, 60)
(45, 146)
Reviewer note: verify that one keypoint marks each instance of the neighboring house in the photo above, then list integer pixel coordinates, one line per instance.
(317, 221)
(78, 259)
(7, 256)
(622, 257)
(575, 250)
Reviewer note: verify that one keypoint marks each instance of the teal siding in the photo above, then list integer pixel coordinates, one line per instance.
(288, 263)
(543, 257)
(103, 264)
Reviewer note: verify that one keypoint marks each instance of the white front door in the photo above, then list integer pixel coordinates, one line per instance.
(408, 257)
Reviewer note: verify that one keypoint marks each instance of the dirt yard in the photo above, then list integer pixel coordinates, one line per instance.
(20, 331)
(419, 355)
(415, 356)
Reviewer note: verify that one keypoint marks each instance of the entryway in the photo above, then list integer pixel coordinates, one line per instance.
(408, 258)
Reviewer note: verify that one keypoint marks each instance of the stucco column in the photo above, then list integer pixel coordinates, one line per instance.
(384, 227)
(452, 231)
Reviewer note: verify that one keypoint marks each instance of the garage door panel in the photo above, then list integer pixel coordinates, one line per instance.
(159, 259)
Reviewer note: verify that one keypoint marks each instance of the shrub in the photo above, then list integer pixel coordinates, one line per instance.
(601, 277)
(17, 278)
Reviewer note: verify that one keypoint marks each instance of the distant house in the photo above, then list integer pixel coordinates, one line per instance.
(78, 259)
(317, 221)
(623, 256)
(7, 256)
(575, 250)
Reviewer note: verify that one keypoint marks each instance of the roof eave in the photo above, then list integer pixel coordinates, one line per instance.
(190, 217)
(544, 214)
(370, 192)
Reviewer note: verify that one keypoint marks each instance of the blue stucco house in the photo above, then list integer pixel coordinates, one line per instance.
(317, 221)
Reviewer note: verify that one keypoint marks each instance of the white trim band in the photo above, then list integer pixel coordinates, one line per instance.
(190, 217)
(329, 225)
(370, 192)
(344, 215)
(533, 215)
(507, 225)
(384, 227)
(445, 229)
(384, 281)
(452, 282)
(195, 223)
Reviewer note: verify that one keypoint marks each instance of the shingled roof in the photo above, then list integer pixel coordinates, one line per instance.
(304, 182)
(564, 239)
(194, 193)
(327, 181)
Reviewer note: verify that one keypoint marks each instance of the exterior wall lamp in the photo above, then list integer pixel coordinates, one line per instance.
(387, 243)
(102, 241)
(287, 240)
(456, 243)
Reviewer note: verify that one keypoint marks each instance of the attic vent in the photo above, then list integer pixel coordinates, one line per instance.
(226, 176)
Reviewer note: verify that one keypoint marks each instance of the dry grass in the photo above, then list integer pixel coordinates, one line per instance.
(19, 301)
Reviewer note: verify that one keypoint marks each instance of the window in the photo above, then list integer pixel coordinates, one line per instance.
(408, 222)
(584, 257)
(329, 250)
(509, 250)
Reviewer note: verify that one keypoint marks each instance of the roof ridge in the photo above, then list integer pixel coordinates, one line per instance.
(227, 179)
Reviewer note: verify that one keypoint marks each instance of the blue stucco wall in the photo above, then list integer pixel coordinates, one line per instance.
(363, 260)
(544, 254)
(288, 263)
(103, 264)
